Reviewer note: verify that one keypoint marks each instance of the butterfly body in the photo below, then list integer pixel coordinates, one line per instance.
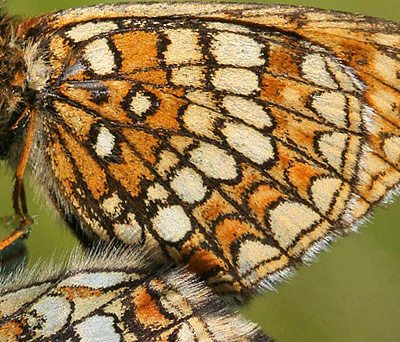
(239, 139)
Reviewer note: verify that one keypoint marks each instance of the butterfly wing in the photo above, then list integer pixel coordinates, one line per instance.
(113, 296)
(239, 139)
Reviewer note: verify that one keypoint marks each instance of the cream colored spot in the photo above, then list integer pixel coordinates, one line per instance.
(99, 56)
(252, 144)
(171, 223)
(90, 29)
(346, 78)
(186, 334)
(96, 280)
(97, 227)
(157, 192)
(188, 185)
(322, 192)
(188, 76)
(314, 69)
(167, 161)
(105, 142)
(235, 80)
(50, 314)
(200, 120)
(332, 146)
(387, 68)
(216, 25)
(202, 98)
(129, 232)
(140, 103)
(184, 47)
(97, 328)
(13, 301)
(332, 107)
(112, 205)
(214, 162)
(253, 253)
(236, 49)
(288, 220)
(391, 147)
(388, 39)
(247, 110)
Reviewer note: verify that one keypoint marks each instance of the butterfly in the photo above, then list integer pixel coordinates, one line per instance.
(273, 115)
(120, 292)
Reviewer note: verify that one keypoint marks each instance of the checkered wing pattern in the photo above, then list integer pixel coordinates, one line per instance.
(239, 139)
(113, 296)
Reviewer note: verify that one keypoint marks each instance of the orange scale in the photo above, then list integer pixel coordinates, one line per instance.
(287, 93)
(79, 292)
(130, 173)
(92, 174)
(78, 121)
(12, 331)
(140, 55)
(60, 48)
(214, 207)
(203, 260)
(261, 199)
(157, 77)
(343, 43)
(290, 128)
(167, 114)
(230, 230)
(63, 168)
(301, 174)
(250, 176)
(283, 60)
(146, 310)
(144, 143)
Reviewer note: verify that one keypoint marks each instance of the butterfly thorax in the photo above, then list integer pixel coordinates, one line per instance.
(12, 82)
(23, 73)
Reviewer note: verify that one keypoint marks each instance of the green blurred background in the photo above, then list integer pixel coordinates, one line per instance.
(350, 294)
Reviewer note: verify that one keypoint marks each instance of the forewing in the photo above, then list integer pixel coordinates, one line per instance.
(239, 139)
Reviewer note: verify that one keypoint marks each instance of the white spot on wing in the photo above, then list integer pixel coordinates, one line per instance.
(332, 107)
(235, 80)
(129, 232)
(105, 142)
(332, 146)
(247, 110)
(323, 190)
(112, 205)
(288, 219)
(200, 120)
(188, 76)
(97, 280)
(97, 328)
(171, 223)
(391, 147)
(183, 48)
(50, 314)
(251, 143)
(253, 253)
(188, 185)
(88, 30)
(236, 49)
(214, 162)
(100, 57)
(314, 69)
(140, 103)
